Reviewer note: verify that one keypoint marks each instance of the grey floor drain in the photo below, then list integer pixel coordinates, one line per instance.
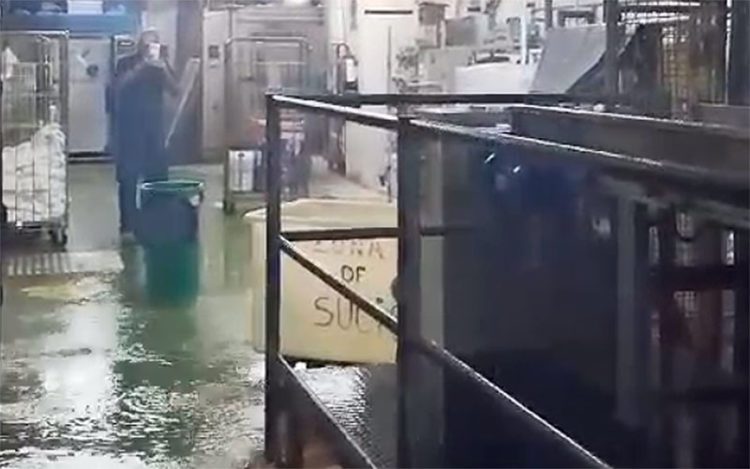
(62, 263)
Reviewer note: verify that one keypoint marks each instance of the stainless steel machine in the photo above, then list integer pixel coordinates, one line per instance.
(91, 66)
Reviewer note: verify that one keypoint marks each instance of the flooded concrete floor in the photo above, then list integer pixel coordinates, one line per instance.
(93, 376)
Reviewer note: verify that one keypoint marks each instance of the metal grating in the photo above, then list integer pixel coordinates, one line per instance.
(62, 263)
(362, 399)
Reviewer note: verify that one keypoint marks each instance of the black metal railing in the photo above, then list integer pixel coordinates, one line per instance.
(679, 178)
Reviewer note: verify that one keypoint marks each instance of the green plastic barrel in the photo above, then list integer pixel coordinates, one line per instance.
(168, 232)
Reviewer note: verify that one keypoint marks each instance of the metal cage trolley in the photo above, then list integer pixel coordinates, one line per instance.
(253, 66)
(34, 130)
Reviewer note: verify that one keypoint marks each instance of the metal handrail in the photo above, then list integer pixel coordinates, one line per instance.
(687, 176)
(453, 364)
(510, 405)
(374, 119)
(436, 98)
(341, 234)
(276, 244)
(409, 231)
(370, 232)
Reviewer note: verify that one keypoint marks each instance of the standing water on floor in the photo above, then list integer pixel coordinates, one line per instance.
(94, 376)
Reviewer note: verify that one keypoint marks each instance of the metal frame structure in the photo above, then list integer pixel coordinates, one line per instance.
(696, 52)
(282, 384)
(57, 226)
(235, 138)
(255, 37)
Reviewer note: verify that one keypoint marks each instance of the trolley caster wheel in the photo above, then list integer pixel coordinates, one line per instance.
(59, 237)
(228, 207)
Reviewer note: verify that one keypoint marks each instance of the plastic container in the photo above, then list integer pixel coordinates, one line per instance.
(168, 232)
(317, 323)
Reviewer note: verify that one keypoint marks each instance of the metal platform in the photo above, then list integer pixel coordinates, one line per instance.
(362, 400)
(370, 418)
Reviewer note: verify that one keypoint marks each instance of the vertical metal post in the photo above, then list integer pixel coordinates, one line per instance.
(633, 313)
(548, 12)
(667, 333)
(707, 338)
(408, 290)
(738, 90)
(228, 134)
(741, 346)
(719, 48)
(2, 208)
(611, 78)
(273, 271)
(64, 110)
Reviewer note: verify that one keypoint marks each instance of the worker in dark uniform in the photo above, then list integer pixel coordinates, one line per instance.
(140, 82)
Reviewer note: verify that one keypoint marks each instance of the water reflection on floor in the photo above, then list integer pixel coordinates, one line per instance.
(92, 376)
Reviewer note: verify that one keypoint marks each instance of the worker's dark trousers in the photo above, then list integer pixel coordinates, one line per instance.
(127, 188)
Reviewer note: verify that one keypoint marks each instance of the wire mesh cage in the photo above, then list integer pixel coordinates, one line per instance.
(689, 39)
(256, 66)
(34, 129)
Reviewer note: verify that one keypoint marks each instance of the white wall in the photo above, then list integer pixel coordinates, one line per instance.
(375, 42)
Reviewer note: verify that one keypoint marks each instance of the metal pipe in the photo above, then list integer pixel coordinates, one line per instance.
(273, 270)
(440, 98)
(374, 311)
(611, 52)
(510, 406)
(341, 234)
(374, 232)
(373, 119)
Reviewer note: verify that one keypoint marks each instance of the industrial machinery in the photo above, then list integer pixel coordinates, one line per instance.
(90, 76)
